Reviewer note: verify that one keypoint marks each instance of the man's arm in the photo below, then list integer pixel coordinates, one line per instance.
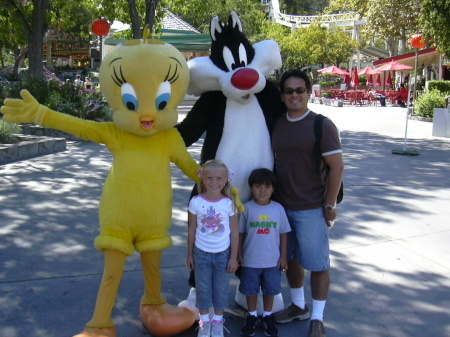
(336, 165)
(198, 120)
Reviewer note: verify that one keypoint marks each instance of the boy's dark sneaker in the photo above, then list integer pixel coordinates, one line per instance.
(316, 329)
(250, 325)
(291, 313)
(270, 327)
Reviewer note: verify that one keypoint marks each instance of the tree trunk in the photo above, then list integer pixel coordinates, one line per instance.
(36, 37)
(135, 22)
(1, 57)
(402, 42)
(18, 62)
(150, 13)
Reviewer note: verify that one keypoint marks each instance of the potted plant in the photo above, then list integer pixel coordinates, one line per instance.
(337, 102)
(327, 98)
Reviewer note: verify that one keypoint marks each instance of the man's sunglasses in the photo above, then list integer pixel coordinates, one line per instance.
(290, 91)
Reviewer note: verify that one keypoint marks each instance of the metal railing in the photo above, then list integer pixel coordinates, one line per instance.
(327, 18)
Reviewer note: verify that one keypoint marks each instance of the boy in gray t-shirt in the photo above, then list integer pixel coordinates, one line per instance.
(263, 229)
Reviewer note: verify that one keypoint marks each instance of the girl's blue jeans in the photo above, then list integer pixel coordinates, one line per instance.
(211, 279)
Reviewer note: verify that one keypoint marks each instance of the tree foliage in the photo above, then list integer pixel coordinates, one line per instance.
(136, 12)
(346, 6)
(303, 7)
(435, 22)
(387, 20)
(200, 12)
(311, 45)
(31, 20)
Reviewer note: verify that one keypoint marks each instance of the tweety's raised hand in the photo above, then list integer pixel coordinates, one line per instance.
(237, 200)
(25, 110)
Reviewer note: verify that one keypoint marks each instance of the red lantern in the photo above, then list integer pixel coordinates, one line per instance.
(418, 41)
(100, 27)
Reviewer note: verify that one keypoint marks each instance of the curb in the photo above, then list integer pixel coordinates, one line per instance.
(30, 146)
(35, 141)
(37, 130)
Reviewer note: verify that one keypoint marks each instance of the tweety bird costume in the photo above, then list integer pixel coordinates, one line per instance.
(143, 81)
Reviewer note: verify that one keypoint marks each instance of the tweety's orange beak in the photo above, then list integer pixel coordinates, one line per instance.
(147, 122)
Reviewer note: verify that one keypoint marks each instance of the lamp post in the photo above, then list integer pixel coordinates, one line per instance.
(417, 42)
(100, 28)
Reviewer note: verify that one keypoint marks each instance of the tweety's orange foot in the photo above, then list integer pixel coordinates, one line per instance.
(166, 320)
(94, 332)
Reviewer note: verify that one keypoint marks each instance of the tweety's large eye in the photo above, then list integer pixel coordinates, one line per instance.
(163, 96)
(129, 97)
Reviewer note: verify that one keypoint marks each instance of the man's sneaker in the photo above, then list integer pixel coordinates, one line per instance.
(291, 313)
(217, 328)
(270, 327)
(316, 329)
(250, 326)
(204, 329)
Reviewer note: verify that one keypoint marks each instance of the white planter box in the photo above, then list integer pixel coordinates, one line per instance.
(441, 123)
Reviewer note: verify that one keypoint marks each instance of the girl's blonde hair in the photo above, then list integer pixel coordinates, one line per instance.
(215, 164)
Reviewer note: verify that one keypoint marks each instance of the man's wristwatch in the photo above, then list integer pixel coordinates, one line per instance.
(330, 208)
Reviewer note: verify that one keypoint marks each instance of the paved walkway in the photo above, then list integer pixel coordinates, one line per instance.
(390, 246)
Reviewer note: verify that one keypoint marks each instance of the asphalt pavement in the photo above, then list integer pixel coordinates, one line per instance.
(390, 245)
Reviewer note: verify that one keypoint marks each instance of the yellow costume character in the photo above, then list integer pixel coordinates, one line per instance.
(143, 81)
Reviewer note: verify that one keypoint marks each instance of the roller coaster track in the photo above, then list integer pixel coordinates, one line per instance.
(350, 22)
(298, 21)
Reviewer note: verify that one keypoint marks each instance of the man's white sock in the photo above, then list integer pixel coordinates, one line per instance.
(298, 297)
(317, 309)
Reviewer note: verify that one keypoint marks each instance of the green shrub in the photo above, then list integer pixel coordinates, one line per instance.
(443, 86)
(8, 132)
(428, 102)
(327, 94)
(94, 107)
(37, 87)
(9, 90)
(62, 97)
(327, 80)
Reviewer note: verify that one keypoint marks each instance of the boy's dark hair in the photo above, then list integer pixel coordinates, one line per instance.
(295, 73)
(262, 176)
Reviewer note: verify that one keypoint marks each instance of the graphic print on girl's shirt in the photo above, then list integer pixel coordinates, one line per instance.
(212, 222)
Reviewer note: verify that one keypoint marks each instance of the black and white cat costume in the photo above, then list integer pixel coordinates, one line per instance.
(236, 109)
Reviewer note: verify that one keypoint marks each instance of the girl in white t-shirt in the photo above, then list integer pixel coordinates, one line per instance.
(213, 239)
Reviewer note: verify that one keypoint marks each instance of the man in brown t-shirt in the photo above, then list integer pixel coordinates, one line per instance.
(309, 198)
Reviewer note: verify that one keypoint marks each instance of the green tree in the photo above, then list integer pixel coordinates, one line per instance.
(390, 21)
(346, 6)
(393, 20)
(136, 12)
(303, 7)
(310, 45)
(435, 22)
(12, 37)
(296, 7)
(340, 46)
(30, 21)
(200, 12)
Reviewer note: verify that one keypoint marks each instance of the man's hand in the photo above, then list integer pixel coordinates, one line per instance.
(25, 110)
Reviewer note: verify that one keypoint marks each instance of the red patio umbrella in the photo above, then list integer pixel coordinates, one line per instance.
(369, 80)
(346, 79)
(333, 70)
(377, 81)
(393, 66)
(388, 82)
(367, 71)
(355, 78)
